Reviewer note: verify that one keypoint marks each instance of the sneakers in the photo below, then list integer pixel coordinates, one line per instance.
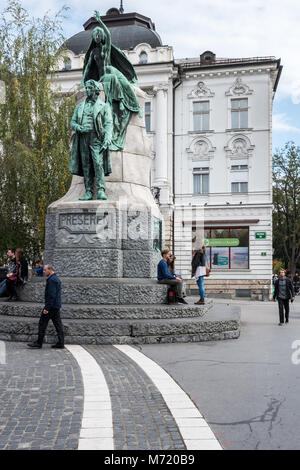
(280, 324)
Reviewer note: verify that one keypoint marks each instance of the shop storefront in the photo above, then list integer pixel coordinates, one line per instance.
(226, 247)
(238, 250)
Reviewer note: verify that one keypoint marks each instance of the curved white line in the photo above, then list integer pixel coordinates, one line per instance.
(2, 352)
(97, 425)
(194, 430)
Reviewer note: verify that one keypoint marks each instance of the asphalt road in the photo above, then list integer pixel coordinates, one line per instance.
(247, 389)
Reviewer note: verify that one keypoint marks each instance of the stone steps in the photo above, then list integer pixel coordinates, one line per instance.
(215, 325)
(106, 291)
(107, 312)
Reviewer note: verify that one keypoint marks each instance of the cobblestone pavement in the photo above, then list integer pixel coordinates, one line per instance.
(42, 395)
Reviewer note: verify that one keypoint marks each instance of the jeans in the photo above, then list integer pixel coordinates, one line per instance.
(3, 288)
(200, 282)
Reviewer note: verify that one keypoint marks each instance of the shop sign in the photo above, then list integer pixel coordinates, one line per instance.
(260, 235)
(222, 261)
(221, 242)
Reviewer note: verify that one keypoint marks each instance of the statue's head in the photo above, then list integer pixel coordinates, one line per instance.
(98, 35)
(92, 87)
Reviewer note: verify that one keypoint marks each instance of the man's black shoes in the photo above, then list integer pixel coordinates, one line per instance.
(38, 346)
(182, 301)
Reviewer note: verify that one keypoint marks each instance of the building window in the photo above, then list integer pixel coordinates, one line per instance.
(226, 248)
(148, 116)
(239, 187)
(239, 113)
(201, 115)
(201, 180)
(239, 167)
(143, 58)
(67, 64)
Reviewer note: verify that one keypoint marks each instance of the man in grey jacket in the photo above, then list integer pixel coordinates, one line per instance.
(283, 292)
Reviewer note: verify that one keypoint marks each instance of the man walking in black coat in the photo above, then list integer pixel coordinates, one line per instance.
(51, 310)
(283, 292)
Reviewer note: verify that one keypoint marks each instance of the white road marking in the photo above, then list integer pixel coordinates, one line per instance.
(97, 425)
(2, 353)
(194, 430)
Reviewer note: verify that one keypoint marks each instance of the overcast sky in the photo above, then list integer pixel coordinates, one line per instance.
(229, 28)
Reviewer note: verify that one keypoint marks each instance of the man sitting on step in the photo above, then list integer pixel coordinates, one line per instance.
(164, 277)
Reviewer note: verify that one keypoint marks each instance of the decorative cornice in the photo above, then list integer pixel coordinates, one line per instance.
(226, 73)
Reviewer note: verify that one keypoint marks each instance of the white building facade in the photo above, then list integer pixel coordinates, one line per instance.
(209, 121)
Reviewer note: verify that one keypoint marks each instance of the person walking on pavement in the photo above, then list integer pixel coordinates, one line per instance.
(51, 310)
(283, 292)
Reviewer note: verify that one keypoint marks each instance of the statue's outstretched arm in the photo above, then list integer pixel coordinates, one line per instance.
(107, 34)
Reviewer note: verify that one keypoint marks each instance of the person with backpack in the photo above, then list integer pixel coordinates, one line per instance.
(164, 277)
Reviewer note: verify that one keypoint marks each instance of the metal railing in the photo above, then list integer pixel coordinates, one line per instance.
(227, 61)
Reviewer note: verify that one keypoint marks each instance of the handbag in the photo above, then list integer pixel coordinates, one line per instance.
(207, 272)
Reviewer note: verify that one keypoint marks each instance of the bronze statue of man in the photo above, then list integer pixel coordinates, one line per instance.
(107, 64)
(93, 126)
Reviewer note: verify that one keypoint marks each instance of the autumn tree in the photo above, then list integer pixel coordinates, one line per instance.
(34, 127)
(286, 199)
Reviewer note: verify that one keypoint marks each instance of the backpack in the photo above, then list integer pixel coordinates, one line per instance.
(171, 295)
